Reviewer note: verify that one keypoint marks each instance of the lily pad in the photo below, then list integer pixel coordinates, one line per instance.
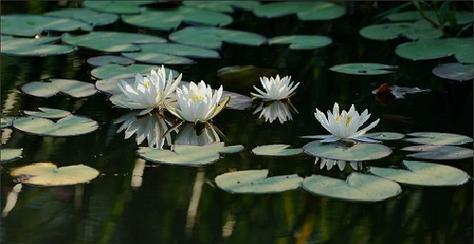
(223, 6)
(305, 10)
(276, 150)
(9, 154)
(257, 182)
(6, 121)
(389, 31)
(301, 42)
(117, 7)
(85, 15)
(33, 46)
(385, 136)
(112, 42)
(31, 25)
(109, 59)
(455, 71)
(438, 138)
(340, 151)
(421, 173)
(73, 88)
(48, 174)
(71, 125)
(439, 152)
(49, 113)
(157, 58)
(462, 17)
(211, 37)
(363, 68)
(461, 48)
(115, 71)
(357, 187)
(187, 155)
(237, 101)
(170, 19)
(179, 50)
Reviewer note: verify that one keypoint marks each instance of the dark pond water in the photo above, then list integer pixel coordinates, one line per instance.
(182, 205)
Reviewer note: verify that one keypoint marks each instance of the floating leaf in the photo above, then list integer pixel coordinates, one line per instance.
(276, 150)
(211, 37)
(170, 19)
(397, 91)
(389, 31)
(115, 71)
(423, 174)
(85, 15)
(455, 71)
(49, 113)
(257, 182)
(179, 50)
(188, 155)
(109, 59)
(237, 101)
(363, 68)
(438, 138)
(8, 154)
(73, 88)
(222, 6)
(48, 174)
(107, 41)
(301, 42)
(340, 151)
(243, 77)
(385, 136)
(357, 187)
(33, 46)
(462, 17)
(461, 48)
(31, 25)
(71, 125)
(117, 7)
(439, 152)
(157, 58)
(6, 121)
(304, 10)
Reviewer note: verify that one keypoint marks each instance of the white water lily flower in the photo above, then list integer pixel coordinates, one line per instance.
(275, 88)
(198, 102)
(190, 136)
(150, 91)
(275, 110)
(344, 125)
(330, 163)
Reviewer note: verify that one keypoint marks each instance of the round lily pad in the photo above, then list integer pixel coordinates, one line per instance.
(222, 6)
(455, 71)
(71, 125)
(237, 101)
(461, 48)
(276, 150)
(257, 182)
(6, 121)
(437, 138)
(157, 58)
(114, 70)
(363, 68)
(357, 187)
(48, 174)
(305, 10)
(9, 154)
(33, 46)
(301, 42)
(73, 88)
(439, 152)
(117, 6)
(85, 15)
(340, 151)
(31, 25)
(179, 50)
(389, 31)
(385, 136)
(49, 113)
(421, 173)
(109, 59)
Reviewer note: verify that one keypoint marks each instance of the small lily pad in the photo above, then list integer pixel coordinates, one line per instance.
(276, 150)
(438, 138)
(110, 71)
(385, 136)
(462, 17)
(340, 151)
(73, 88)
(48, 174)
(179, 50)
(31, 25)
(49, 113)
(257, 182)
(71, 125)
(6, 121)
(421, 173)
(223, 6)
(455, 71)
(117, 7)
(363, 68)
(389, 31)
(109, 59)
(357, 187)
(85, 15)
(439, 152)
(157, 58)
(461, 48)
(33, 46)
(9, 154)
(301, 42)
(305, 10)
(237, 101)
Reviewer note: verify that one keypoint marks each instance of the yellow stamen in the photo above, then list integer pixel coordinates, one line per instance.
(348, 121)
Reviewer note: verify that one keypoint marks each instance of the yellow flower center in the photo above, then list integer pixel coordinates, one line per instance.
(348, 121)
(197, 98)
(146, 84)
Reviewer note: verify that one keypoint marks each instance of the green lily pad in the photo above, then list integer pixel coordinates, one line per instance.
(357, 187)
(455, 71)
(439, 152)
(223, 6)
(48, 174)
(73, 88)
(115, 71)
(157, 58)
(276, 150)
(461, 48)
(305, 10)
(9, 154)
(389, 31)
(33, 46)
(211, 37)
(421, 173)
(6, 121)
(363, 68)
(49, 113)
(187, 155)
(107, 41)
(301, 42)
(71, 125)
(179, 50)
(170, 19)
(85, 15)
(117, 7)
(340, 151)
(385, 136)
(109, 59)
(257, 182)
(462, 17)
(31, 25)
(437, 138)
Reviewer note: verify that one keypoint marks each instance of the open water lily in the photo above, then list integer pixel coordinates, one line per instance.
(271, 111)
(275, 88)
(344, 125)
(198, 102)
(151, 91)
